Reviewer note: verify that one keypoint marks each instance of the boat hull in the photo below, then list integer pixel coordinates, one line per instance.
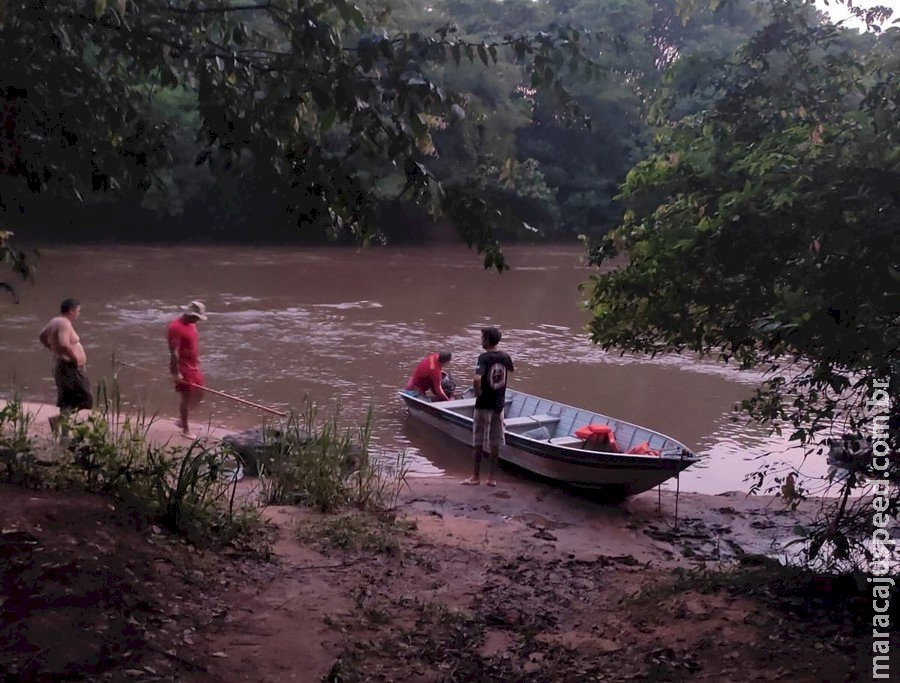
(616, 474)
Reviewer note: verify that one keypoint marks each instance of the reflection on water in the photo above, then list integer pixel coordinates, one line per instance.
(347, 326)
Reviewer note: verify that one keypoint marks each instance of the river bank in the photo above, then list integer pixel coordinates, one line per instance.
(707, 527)
(525, 582)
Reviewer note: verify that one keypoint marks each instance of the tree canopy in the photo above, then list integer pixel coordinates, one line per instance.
(763, 229)
(310, 98)
(334, 112)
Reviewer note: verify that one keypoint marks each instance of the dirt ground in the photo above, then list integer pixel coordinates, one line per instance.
(525, 582)
(489, 585)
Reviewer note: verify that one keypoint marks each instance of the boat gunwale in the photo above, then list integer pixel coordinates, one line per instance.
(611, 418)
(553, 451)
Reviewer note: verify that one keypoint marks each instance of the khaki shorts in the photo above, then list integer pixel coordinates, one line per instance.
(488, 423)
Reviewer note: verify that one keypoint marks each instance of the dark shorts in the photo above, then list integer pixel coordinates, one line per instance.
(73, 390)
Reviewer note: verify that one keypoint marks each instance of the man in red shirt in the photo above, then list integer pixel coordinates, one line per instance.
(184, 360)
(427, 376)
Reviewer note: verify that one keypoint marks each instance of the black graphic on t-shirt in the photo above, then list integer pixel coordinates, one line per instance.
(493, 367)
(497, 376)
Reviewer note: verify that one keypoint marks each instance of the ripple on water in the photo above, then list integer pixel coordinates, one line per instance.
(349, 305)
(20, 321)
(265, 316)
(248, 327)
(149, 314)
(548, 344)
(229, 298)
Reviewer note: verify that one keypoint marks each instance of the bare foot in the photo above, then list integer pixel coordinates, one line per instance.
(189, 435)
(491, 482)
(471, 482)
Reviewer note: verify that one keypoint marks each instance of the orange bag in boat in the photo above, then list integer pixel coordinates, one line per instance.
(598, 438)
(643, 448)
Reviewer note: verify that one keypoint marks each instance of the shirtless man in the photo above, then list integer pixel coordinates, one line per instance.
(73, 390)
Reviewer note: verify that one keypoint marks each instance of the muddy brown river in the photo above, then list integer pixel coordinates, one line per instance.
(347, 326)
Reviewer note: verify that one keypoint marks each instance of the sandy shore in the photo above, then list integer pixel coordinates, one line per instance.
(161, 429)
(529, 517)
(523, 582)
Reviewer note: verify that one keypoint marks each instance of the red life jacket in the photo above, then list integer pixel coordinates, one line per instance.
(598, 438)
(643, 448)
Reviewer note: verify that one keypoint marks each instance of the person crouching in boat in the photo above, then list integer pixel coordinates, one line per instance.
(428, 377)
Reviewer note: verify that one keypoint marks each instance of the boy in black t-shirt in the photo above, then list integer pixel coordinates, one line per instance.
(490, 397)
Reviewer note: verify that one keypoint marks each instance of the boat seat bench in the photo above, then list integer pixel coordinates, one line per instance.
(458, 403)
(569, 441)
(461, 403)
(531, 421)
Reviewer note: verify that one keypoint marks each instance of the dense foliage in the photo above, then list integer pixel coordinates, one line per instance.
(305, 102)
(564, 178)
(323, 113)
(302, 100)
(764, 229)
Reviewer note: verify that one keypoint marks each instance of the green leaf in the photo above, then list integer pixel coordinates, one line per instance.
(321, 97)
(327, 119)
(482, 54)
(351, 14)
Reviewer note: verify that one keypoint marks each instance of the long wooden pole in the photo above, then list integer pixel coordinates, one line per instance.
(212, 391)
